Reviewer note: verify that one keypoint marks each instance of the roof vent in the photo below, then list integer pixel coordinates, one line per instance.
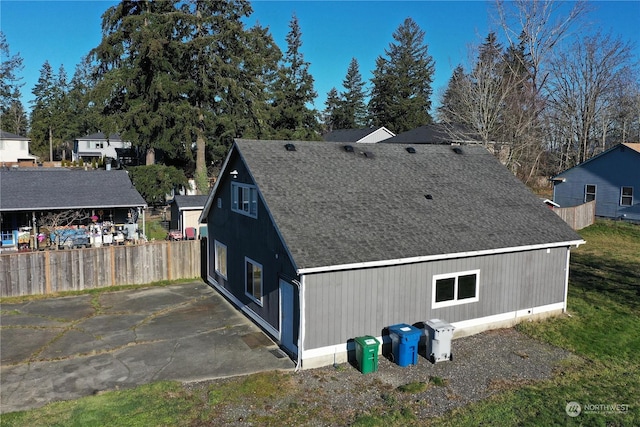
(348, 148)
(368, 154)
(411, 150)
(457, 150)
(428, 196)
(290, 147)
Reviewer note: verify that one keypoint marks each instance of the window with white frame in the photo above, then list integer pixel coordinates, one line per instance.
(626, 196)
(244, 199)
(253, 280)
(455, 288)
(220, 259)
(589, 192)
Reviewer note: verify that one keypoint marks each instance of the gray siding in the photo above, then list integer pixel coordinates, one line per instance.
(255, 238)
(345, 304)
(609, 173)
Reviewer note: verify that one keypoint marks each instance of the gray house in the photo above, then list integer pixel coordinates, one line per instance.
(320, 243)
(612, 179)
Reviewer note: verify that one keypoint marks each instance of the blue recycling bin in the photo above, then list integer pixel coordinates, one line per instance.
(404, 344)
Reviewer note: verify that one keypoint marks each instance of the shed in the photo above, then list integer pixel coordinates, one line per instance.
(185, 212)
(321, 243)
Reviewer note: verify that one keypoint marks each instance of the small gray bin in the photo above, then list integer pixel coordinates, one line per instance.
(439, 335)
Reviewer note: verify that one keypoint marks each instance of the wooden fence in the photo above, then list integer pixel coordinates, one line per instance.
(578, 217)
(46, 272)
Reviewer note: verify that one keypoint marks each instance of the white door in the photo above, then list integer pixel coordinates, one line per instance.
(287, 315)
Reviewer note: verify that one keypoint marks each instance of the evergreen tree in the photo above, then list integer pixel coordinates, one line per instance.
(12, 115)
(401, 83)
(331, 111)
(224, 68)
(452, 106)
(49, 113)
(292, 118)
(84, 117)
(353, 110)
(137, 82)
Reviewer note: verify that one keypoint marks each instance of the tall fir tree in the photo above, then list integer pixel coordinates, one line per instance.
(292, 118)
(353, 105)
(331, 111)
(452, 105)
(49, 113)
(13, 117)
(137, 83)
(401, 84)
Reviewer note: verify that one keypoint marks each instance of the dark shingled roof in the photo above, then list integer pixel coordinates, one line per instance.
(333, 207)
(348, 135)
(8, 135)
(190, 202)
(436, 133)
(44, 189)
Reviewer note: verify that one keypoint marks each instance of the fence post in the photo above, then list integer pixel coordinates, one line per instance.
(47, 273)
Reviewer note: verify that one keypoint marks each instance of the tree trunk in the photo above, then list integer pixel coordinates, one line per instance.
(151, 156)
(50, 144)
(201, 165)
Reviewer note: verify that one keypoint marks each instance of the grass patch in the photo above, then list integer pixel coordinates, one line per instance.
(415, 387)
(438, 381)
(161, 403)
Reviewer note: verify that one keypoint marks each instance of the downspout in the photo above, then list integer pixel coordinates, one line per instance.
(300, 285)
(566, 280)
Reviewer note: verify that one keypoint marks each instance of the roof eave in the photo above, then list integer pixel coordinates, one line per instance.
(413, 260)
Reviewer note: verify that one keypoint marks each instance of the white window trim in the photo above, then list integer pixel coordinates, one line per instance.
(235, 203)
(257, 301)
(595, 191)
(217, 244)
(621, 195)
(454, 301)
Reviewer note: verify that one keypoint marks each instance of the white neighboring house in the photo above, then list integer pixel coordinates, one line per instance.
(97, 145)
(14, 149)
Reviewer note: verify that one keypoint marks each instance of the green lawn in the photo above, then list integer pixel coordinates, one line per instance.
(603, 330)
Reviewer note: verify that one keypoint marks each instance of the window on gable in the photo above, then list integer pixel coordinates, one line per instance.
(220, 259)
(244, 199)
(253, 280)
(589, 192)
(455, 288)
(626, 196)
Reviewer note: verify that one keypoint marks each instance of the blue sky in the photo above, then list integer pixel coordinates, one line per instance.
(333, 32)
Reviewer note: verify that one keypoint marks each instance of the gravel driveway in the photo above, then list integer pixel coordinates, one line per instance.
(483, 364)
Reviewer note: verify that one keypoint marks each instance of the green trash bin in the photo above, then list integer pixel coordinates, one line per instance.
(367, 353)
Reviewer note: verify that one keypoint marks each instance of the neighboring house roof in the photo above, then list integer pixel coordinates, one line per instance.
(8, 135)
(190, 202)
(381, 202)
(47, 189)
(635, 149)
(437, 133)
(100, 136)
(358, 135)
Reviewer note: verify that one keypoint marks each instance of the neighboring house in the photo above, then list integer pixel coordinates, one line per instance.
(14, 149)
(97, 145)
(612, 179)
(185, 212)
(26, 194)
(437, 133)
(365, 135)
(321, 243)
